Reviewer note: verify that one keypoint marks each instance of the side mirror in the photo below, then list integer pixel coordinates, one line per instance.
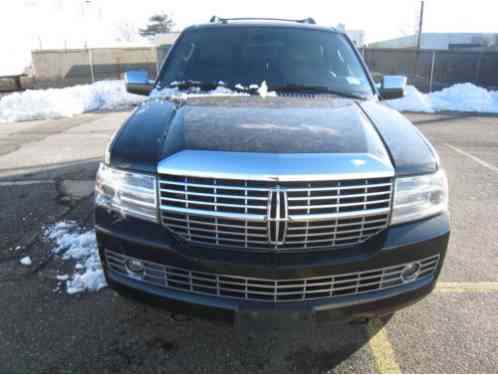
(138, 82)
(393, 87)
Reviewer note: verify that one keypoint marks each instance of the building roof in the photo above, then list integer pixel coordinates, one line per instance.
(439, 40)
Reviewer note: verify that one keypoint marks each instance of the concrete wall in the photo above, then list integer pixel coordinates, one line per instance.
(431, 70)
(75, 66)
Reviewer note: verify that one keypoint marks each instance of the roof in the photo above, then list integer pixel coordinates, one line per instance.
(262, 23)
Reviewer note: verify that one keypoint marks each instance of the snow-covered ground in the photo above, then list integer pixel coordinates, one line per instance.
(112, 95)
(462, 97)
(73, 243)
(66, 102)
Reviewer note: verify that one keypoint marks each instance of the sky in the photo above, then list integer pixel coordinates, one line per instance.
(31, 24)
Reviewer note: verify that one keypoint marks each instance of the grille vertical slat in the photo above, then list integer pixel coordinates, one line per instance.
(216, 229)
(263, 216)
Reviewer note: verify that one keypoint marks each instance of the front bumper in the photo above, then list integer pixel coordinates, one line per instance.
(151, 242)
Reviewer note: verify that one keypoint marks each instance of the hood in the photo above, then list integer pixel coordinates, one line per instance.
(271, 125)
(411, 153)
(160, 128)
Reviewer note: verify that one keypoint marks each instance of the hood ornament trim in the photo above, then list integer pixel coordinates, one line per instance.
(276, 167)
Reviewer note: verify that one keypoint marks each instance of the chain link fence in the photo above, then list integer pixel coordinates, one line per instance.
(432, 70)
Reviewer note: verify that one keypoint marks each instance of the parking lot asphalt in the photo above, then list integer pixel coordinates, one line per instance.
(46, 175)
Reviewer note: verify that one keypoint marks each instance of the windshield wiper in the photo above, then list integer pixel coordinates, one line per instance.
(184, 85)
(295, 88)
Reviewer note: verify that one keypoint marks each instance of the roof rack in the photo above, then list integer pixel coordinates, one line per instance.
(216, 19)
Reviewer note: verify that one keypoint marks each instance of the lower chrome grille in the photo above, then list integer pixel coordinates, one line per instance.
(263, 215)
(259, 289)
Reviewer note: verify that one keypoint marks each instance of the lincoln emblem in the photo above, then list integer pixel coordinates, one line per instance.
(277, 216)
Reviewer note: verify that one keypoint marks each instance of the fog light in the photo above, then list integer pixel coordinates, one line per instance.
(410, 272)
(135, 267)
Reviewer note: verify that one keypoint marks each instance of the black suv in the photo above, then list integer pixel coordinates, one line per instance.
(264, 174)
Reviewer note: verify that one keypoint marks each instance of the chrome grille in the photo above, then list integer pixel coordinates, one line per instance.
(263, 215)
(259, 289)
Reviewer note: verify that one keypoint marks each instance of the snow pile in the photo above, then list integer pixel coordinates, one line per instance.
(413, 101)
(71, 242)
(66, 102)
(465, 97)
(462, 97)
(100, 96)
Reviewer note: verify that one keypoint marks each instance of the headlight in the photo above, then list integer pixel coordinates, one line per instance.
(419, 196)
(132, 194)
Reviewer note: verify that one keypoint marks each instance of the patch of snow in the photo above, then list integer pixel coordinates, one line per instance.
(462, 97)
(71, 242)
(66, 102)
(26, 261)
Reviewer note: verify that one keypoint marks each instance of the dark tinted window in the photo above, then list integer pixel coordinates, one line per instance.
(280, 56)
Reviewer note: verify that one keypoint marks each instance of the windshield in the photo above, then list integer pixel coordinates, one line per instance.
(283, 57)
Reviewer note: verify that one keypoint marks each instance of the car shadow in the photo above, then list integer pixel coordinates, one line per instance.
(296, 346)
(445, 117)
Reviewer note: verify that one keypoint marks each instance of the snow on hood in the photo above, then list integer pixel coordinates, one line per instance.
(26, 261)
(220, 91)
(462, 97)
(73, 243)
(174, 93)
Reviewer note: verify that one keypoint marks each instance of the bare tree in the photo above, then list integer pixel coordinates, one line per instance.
(126, 32)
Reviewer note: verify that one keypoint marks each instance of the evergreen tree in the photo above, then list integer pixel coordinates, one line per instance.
(158, 24)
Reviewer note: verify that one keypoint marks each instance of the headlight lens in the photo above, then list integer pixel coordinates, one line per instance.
(419, 197)
(132, 194)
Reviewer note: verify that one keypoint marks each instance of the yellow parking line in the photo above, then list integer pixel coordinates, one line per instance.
(478, 287)
(382, 349)
(383, 352)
